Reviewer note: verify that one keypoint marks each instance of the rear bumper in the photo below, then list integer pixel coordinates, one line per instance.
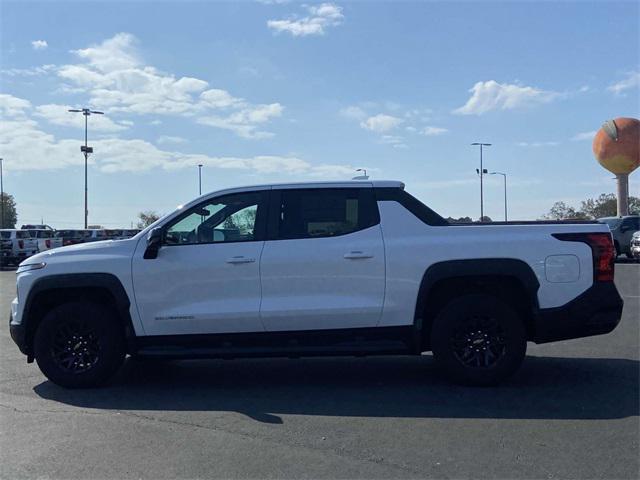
(596, 312)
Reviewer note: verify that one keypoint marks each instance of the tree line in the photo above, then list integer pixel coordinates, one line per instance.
(603, 206)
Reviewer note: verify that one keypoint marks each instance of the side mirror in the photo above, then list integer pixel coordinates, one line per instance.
(154, 242)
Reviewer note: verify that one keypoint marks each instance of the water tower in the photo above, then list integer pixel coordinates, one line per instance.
(616, 146)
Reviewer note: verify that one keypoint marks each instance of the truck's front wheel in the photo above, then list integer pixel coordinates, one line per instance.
(79, 345)
(478, 339)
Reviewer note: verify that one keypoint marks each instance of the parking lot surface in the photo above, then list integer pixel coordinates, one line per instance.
(571, 412)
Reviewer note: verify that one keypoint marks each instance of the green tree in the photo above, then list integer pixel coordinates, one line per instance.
(606, 206)
(146, 218)
(8, 205)
(562, 211)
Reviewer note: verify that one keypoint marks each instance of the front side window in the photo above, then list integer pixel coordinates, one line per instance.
(330, 212)
(231, 218)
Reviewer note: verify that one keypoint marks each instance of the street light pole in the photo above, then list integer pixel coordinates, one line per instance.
(200, 179)
(504, 176)
(86, 150)
(1, 197)
(481, 172)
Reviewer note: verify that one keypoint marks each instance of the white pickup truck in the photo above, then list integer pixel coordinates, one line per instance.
(349, 268)
(19, 245)
(46, 239)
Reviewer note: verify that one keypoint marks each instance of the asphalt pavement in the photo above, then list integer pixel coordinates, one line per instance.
(571, 412)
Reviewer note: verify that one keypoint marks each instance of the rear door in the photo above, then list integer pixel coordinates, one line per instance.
(323, 263)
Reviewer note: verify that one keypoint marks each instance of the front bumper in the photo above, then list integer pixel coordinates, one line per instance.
(595, 312)
(18, 335)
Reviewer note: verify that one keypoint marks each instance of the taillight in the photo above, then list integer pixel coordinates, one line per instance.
(47, 242)
(602, 251)
(20, 244)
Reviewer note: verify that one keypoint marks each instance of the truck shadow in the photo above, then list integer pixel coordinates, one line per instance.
(545, 388)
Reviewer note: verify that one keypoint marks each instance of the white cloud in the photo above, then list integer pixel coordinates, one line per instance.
(584, 136)
(632, 81)
(60, 115)
(117, 80)
(353, 112)
(395, 141)
(537, 144)
(39, 44)
(163, 139)
(26, 146)
(11, 106)
(381, 123)
(491, 95)
(28, 72)
(434, 131)
(244, 123)
(318, 19)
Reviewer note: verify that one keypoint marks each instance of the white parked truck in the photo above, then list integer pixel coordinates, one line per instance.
(347, 268)
(46, 239)
(19, 245)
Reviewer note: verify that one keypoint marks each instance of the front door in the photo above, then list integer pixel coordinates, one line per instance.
(205, 278)
(323, 264)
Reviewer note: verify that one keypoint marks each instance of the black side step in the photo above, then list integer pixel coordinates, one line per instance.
(348, 342)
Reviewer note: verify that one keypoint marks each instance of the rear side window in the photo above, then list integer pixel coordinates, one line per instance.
(23, 234)
(326, 212)
(5, 235)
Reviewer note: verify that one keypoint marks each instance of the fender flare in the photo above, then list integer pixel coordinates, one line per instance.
(482, 267)
(106, 281)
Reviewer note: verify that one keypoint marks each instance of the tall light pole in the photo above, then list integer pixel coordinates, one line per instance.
(504, 176)
(86, 150)
(1, 197)
(200, 179)
(481, 172)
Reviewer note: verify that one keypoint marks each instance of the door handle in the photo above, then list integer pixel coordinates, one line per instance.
(240, 259)
(356, 254)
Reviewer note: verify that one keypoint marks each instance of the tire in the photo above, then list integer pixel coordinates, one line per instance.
(79, 345)
(478, 339)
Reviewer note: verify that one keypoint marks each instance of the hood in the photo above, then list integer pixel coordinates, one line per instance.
(101, 248)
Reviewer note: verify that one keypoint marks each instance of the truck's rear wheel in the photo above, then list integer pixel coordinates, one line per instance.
(478, 339)
(79, 345)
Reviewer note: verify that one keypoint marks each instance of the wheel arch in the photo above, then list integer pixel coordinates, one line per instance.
(514, 279)
(50, 291)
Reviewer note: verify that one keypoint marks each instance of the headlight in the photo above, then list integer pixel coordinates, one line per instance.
(30, 266)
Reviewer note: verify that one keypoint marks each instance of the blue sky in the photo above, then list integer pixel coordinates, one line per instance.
(284, 91)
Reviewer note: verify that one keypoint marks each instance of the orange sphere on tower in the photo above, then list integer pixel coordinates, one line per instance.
(616, 145)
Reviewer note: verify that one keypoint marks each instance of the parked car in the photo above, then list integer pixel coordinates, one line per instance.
(71, 237)
(115, 234)
(622, 229)
(46, 239)
(95, 235)
(349, 268)
(635, 246)
(131, 232)
(5, 250)
(22, 245)
(36, 227)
